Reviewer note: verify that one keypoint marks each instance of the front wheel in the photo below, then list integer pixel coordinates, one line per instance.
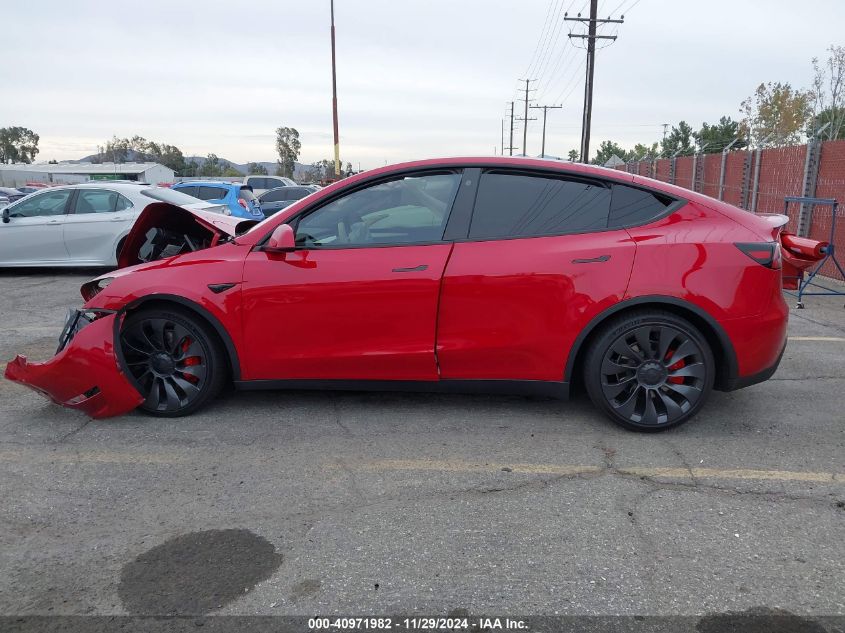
(649, 370)
(174, 358)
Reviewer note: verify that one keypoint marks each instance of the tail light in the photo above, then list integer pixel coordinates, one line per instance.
(242, 202)
(764, 253)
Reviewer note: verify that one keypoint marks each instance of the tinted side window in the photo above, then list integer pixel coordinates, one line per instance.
(631, 206)
(211, 193)
(407, 210)
(273, 196)
(47, 203)
(95, 201)
(188, 191)
(518, 205)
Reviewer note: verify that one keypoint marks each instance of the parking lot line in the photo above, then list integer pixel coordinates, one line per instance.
(827, 339)
(572, 469)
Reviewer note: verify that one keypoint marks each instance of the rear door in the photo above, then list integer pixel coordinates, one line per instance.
(536, 263)
(97, 219)
(33, 233)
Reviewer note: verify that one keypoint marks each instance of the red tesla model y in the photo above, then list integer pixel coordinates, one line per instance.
(472, 274)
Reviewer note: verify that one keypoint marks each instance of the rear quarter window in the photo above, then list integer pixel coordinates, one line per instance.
(632, 207)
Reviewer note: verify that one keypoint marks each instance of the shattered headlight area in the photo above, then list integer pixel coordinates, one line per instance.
(86, 373)
(76, 320)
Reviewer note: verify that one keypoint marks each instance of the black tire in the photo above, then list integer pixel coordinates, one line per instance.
(175, 359)
(118, 249)
(649, 370)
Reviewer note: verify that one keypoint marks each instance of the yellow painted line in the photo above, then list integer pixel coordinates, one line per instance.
(572, 469)
(827, 339)
(88, 457)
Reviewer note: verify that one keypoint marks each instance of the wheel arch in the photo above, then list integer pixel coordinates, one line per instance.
(720, 344)
(198, 311)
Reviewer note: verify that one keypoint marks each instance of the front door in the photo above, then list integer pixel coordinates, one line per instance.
(358, 298)
(33, 234)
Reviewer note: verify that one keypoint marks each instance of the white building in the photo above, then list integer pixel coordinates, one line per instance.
(19, 174)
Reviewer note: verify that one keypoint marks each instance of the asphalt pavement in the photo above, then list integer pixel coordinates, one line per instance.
(303, 503)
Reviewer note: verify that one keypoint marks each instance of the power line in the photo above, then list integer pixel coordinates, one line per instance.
(541, 40)
(591, 38)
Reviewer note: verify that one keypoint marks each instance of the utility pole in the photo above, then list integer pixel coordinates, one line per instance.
(502, 146)
(510, 146)
(591, 38)
(545, 109)
(525, 118)
(334, 105)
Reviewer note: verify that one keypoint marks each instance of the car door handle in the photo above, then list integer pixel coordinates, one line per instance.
(592, 260)
(414, 269)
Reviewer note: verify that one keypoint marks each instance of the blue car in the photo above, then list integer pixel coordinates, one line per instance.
(237, 197)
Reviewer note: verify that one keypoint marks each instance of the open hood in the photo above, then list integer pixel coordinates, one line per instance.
(164, 230)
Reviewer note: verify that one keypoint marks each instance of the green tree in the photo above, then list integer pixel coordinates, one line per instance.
(778, 112)
(606, 150)
(573, 155)
(641, 152)
(211, 166)
(231, 171)
(18, 145)
(256, 169)
(679, 140)
(287, 146)
(828, 95)
(716, 137)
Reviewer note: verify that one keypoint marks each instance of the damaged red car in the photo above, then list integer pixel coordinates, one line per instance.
(469, 275)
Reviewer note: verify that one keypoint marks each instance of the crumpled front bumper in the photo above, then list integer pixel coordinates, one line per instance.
(85, 374)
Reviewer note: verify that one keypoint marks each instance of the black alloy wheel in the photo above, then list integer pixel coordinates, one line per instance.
(175, 361)
(650, 371)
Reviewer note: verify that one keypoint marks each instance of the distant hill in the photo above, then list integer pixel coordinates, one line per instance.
(270, 166)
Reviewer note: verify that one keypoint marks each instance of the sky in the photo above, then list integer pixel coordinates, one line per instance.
(416, 78)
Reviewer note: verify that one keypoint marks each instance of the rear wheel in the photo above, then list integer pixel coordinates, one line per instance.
(649, 371)
(176, 361)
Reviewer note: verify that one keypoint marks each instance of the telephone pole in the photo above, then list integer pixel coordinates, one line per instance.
(591, 38)
(510, 145)
(502, 146)
(545, 109)
(334, 106)
(525, 118)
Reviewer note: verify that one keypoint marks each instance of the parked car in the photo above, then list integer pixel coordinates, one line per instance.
(79, 225)
(239, 199)
(11, 194)
(260, 184)
(277, 199)
(28, 190)
(485, 274)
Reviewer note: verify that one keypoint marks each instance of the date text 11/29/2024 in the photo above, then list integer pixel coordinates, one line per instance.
(417, 624)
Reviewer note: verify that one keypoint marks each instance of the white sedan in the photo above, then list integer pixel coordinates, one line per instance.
(80, 225)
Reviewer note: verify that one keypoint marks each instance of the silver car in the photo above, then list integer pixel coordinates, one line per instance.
(80, 225)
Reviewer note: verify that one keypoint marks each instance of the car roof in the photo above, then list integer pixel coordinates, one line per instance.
(215, 183)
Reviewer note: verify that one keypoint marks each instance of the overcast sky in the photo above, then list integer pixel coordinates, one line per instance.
(416, 78)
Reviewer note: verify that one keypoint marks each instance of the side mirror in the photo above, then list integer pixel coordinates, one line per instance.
(282, 240)
(6, 216)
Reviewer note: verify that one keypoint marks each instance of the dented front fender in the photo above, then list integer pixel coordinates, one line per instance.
(85, 375)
